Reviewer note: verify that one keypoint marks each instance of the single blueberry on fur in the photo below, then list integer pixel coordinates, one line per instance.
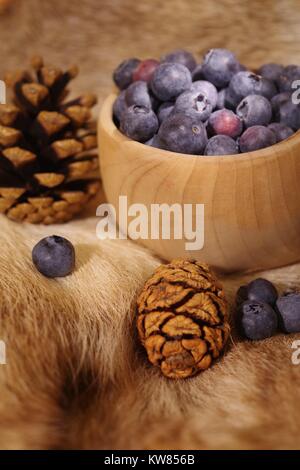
(281, 131)
(255, 138)
(208, 89)
(165, 110)
(243, 84)
(170, 80)
(181, 56)
(257, 320)
(221, 145)
(262, 290)
(289, 114)
(255, 110)
(194, 103)
(182, 133)
(123, 75)
(225, 122)
(271, 71)
(219, 66)
(139, 123)
(145, 70)
(119, 106)
(137, 94)
(54, 256)
(288, 308)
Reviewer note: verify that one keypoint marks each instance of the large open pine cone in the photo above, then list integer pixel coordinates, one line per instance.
(48, 170)
(183, 318)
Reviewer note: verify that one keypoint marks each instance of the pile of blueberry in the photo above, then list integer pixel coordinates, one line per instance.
(54, 256)
(215, 108)
(261, 311)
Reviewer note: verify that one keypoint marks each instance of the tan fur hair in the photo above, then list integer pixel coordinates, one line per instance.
(76, 376)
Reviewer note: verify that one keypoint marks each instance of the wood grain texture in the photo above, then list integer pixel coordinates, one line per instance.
(251, 201)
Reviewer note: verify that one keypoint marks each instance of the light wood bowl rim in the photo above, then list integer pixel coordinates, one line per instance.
(106, 121)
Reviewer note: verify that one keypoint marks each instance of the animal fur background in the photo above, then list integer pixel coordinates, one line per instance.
(75, 374)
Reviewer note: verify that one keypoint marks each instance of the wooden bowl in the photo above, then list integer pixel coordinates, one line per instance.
(252, 201)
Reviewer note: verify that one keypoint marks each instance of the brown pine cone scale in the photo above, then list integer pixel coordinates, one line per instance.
(182, 318)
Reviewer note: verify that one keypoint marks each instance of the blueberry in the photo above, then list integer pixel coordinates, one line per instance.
(137, 94)
(155, 102)
(123, 75)
(225, 122)
(271, 71)
(145, 70)
(243, 84)
(221, 145)
(182, 133)
(197, 73)
(154, 142)
(139, 123)
(257, 320)
(54, 256)
(219, 66)
(289, 114)
(194, 103)
(288, 308)
(180, 56)
(277, 101)
(262, 290)
(165, 110)
(281, 131)
(221, 99)
(231, 100)
(255, 138)
(208, 89)
(255, 110)
(287, 77)
(170, 80)
(119, 106)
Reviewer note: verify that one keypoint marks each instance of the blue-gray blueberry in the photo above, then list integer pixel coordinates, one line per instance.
(280, 130)
(181, 56)
(255, 138)
(54, 256)
(170, 80)
(208, 89)
(123, 75)
(139, 123)
(183, 133)
(288, 308)
(194, 103)
(255, 110)
(243, 84)
(221, 145)
(219, 66)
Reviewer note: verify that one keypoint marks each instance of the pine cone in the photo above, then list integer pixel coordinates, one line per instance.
(48, 171)
(182, 318)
